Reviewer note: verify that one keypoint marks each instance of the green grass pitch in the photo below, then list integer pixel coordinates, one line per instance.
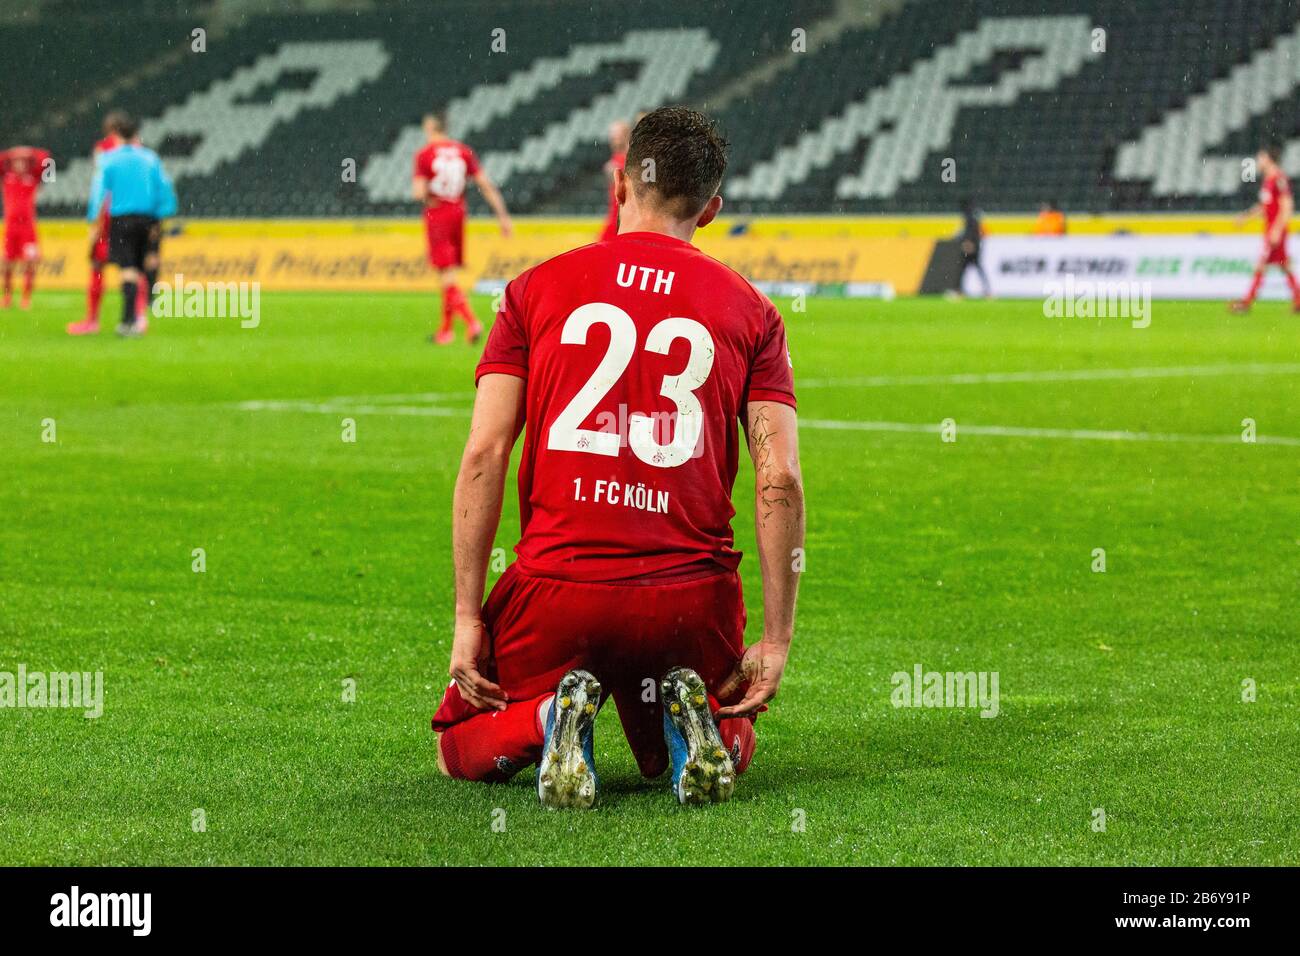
(328, 560)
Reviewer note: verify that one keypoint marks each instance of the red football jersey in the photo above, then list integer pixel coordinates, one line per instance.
(20, 188)
(105, 145)
(447, 165)
(1275, 187)
(640, 355)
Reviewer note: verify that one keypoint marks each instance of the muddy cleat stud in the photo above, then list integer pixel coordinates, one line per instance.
(702, 770)
(566, 777)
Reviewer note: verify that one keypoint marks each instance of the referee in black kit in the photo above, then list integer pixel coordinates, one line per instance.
(132, 180)
(972, 236)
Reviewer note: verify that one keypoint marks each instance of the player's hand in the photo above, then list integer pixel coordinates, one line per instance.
(507, 227)
(467, 653)
(761, 667)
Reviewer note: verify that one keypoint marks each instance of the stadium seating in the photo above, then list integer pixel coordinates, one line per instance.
(1013, 103)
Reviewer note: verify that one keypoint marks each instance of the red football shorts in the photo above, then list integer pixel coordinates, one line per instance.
(1275, 255)
(20, 240)
(627, 635)
(444, 227)
(99, 251)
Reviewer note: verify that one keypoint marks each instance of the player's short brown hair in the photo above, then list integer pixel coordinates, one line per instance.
(126, 126)
(439, 116)
(1273, 151)
(114, 119)
(678, 155)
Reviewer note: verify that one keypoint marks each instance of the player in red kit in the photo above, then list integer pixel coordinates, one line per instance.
(99, 233)
(619, 134)
(442, 168)
(21, 168)
(632, 362)
(1276, 204)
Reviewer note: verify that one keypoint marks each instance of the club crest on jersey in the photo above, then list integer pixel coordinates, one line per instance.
(663, 281)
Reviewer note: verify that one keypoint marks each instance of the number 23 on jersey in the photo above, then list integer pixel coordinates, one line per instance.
(566, 434)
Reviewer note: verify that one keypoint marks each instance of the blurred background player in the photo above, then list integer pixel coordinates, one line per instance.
(1276, 204)
(99, 229)
(21, 168)
(142, 196)
(619, 134)
(972, 235)
(441, 168)
(152, 252)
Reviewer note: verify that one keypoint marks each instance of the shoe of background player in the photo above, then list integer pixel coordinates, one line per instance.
(474, 333)
(443, 338)
(1240, 307)
(702, 771)
(141, 324)
(7, 302)
(566, 776)
(25, 303)
(84, 327)
(128, 331)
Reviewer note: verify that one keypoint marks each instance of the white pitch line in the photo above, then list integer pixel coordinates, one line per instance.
(432, 397)
(333, 408)
(1058, 375)
(1013, 431)
(340, 407)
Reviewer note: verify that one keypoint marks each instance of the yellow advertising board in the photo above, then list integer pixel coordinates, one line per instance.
(389, 255)
(372, 255)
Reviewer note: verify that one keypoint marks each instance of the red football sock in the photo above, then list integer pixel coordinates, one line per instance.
(142, 295)
(737, 735)
(29, 281)
(448, 309)
(94, 294)
(1255, 283)
(461, 305)
(739, 739)
(9, 282)
(455, 300)
(1295, 287)
(494, 746)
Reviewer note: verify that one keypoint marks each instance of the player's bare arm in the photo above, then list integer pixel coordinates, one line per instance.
(492, 195)
(1249, 214)
(420, 189)
(773, 434)
(480, 484)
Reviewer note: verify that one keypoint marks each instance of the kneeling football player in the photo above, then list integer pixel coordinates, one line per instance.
(632, 361)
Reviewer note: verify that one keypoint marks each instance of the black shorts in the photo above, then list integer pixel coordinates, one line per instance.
(131, 238)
